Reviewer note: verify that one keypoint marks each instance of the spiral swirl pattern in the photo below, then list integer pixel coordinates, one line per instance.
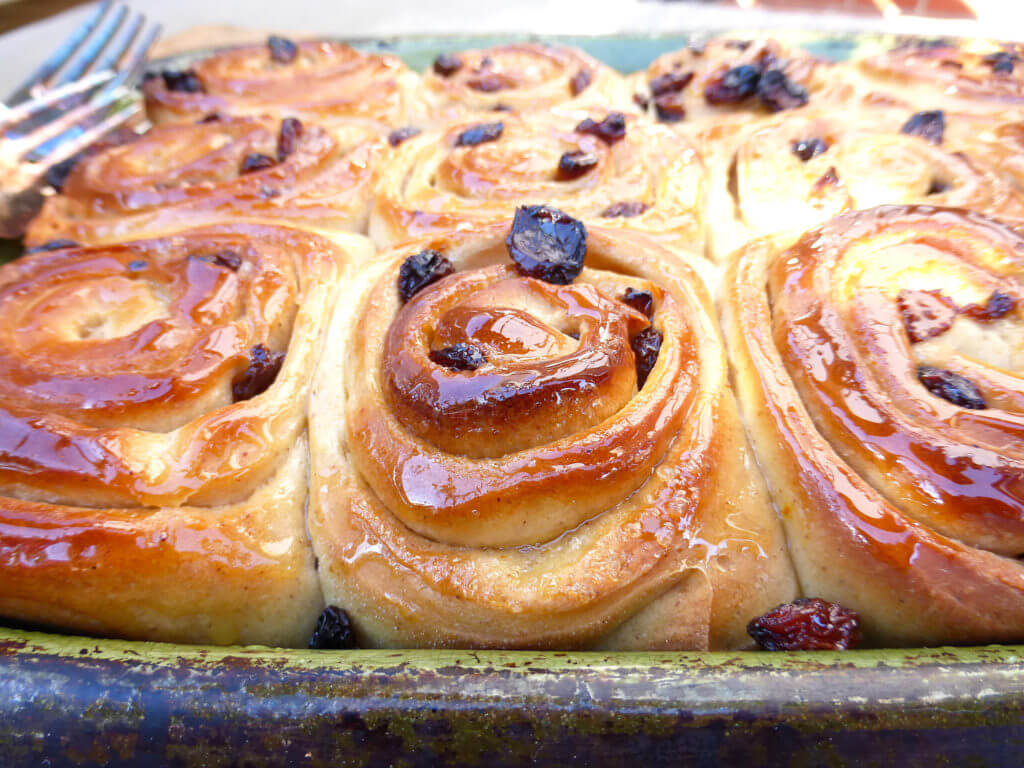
(969, 77)
(882, 384)
(432, 183)
(523, 76)
(181, 176)
(540, 499)
(789, 175)
(331, 84)
(138, 459)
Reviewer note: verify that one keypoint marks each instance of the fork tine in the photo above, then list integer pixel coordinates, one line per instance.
(84, 59)
(132, 69)
(36, 145)
(51, 98)
(113, 53)
(80, 127)
(24, 91)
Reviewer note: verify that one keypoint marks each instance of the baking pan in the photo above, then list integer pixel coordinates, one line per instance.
(83, 701)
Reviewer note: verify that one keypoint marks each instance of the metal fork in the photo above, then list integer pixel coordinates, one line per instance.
(81, 92)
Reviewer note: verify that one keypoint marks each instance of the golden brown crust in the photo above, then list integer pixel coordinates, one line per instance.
(613, 531)
(331, 84)
(142, 494)
(181, 176)
(431, 184)
(895, 501)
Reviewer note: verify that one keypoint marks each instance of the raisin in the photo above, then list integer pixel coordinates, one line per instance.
(929, 125)
(572, 165)
(641, 301)
(733, 86)
(646, 345)
(257, 161)
(547, 244)
(952, 387)
(1002, 61)
(213, 117)
(997, 305)
(53, 245)
(609, 130)
(478, 134)
(926, 313)
(396, 137)
(288, 138)
(185, 81)
(282, 50)
(420, 270)
(669, 108)
(809, 148)
(499, 107)
(57, 174)
(829, 178)
(778, 92)
(460, 356)
(806, 624)
(578, 83)
(447, 64)
(627, 209)
(937, 187)
(487, 82)
(672, 82)
(137, 265)
(264, 366)
(227, 258)
(333, 631)
(641, 101)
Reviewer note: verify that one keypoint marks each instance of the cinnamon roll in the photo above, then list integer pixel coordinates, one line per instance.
(181, 176)
(521, 76)
(970, 76)
(153, 449)
(610, 168)
(526, 438)
(878, 365)
(347, 91)
(724, 81)
(788, 175)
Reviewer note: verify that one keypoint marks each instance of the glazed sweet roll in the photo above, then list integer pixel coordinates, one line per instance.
(791, 174)
(332, 84)
(968, 76)
(723, 81)
(153, 449)
(878, 363)
(180, 176)
(609, 168)
(525, 438)
(521, 76)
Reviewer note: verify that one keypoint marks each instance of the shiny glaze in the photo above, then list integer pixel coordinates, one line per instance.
(432, 185)
(177, 175)
(521, 386)
(479, 455)
(169, 330)
(845, 347)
